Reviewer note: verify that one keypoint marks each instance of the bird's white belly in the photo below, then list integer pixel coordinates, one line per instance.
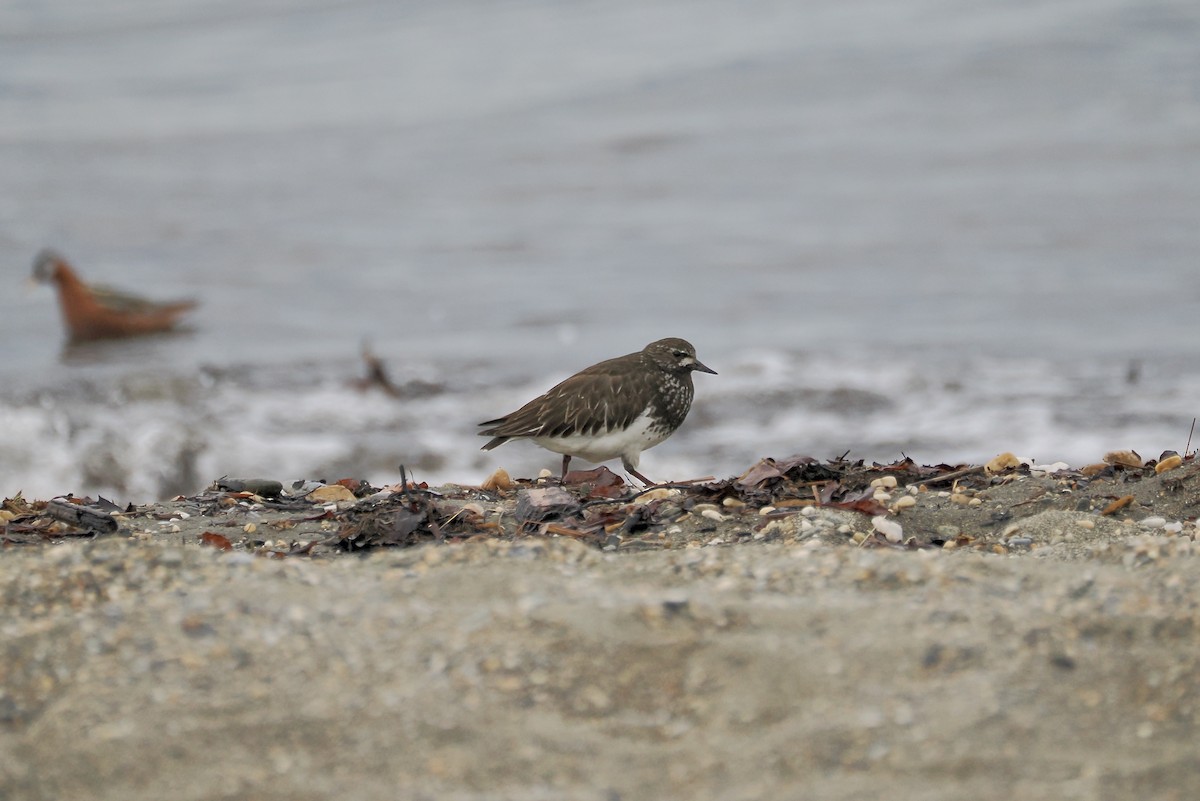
(627, 443)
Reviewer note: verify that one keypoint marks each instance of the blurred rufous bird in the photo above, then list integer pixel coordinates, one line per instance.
(94, 312)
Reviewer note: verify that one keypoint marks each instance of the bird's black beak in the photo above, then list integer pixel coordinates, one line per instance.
(703, 368)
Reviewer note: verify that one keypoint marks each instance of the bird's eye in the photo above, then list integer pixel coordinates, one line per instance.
(679, 354)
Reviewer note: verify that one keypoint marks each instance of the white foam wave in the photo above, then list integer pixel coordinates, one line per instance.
(143, 436)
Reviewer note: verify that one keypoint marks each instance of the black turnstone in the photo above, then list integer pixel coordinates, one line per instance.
(619, 407)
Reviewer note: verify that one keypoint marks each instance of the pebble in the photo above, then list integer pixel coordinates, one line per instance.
(1169, 463)
(904, 502)
(331, 493)
(657, 494)
(890, 529)
(884, 482)
(499, 480)
(960, 499)
(1002, 462)
(713, 514)
(1153, 522)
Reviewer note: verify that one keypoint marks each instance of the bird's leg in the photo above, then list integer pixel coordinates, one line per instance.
(566, 462)
(647, 482)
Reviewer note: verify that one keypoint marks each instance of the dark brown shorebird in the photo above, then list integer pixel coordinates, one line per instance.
(619, 407)
(92, 312)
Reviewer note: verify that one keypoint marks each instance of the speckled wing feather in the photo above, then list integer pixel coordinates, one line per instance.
(601, 398)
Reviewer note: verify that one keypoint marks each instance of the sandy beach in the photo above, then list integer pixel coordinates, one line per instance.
(1023, 636)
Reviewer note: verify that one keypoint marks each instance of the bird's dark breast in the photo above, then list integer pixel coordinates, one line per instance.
(673, 401)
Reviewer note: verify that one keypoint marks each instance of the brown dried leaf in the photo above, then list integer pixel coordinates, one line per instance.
(215, 540)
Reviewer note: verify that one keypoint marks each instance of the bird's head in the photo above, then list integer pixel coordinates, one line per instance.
(676, 355)
(47, 265)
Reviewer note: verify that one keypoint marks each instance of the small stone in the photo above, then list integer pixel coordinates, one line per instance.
(331, 493)
(249, 528)
(881, 496)
(890, 529)
(498, 481)
(766, 510)
(657, 494)
(712, 514)
(1002, 462)
(960, 499)
(884, 482)
(733, 503)
(1169, 463)
(904, 502)
(1020, 542)
(1152, 522)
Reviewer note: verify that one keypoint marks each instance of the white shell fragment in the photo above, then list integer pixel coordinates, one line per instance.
(890, 529)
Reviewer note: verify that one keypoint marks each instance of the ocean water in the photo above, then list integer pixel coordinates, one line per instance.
(939, 229)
